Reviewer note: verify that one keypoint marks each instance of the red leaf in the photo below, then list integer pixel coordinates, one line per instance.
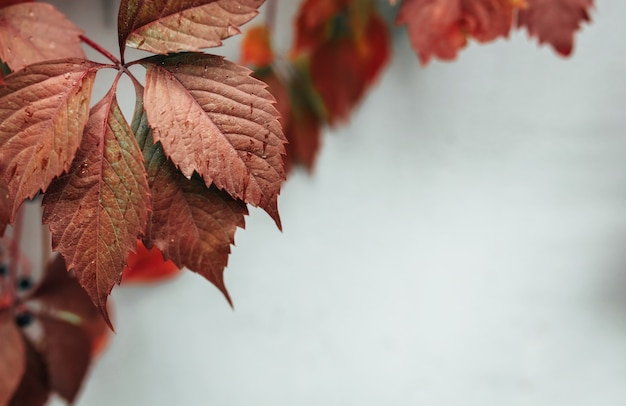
(343, 69)
(312, 22)
(439, 27)
(36, 32)
(34, 387)
(555, 21)
(7, 3)
(66, 351)
(163, 26)
(146, 265)
(191, 224)
(213, 118)
(99, 208)
(302, 113)
(60, 296)
(12, 357)
(43, 110)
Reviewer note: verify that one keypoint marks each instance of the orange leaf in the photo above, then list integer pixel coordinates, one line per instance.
(147, 265)
(256, 48)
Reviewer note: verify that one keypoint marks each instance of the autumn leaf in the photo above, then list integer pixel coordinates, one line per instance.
(211, 117)
(59, 295)
(313, 23)
(147, 265)
(7, 3)
(555, 21)
(34, 387)
(344, 68)
(256, 48)
(43, 110)
(36, 32)
(162, 26)
(12, 356)
(192, 225)
(99, 208)
(66, 352)
(439, 28)
(69, 330)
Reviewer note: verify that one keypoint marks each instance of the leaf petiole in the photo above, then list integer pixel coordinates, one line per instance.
(103, 51)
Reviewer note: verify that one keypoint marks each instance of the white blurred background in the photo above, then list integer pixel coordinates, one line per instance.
(462, 242)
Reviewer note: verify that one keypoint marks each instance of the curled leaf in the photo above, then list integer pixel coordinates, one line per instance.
(43, 110)
(162, 26)
(211, 117)
(36, 32)
(99, 208)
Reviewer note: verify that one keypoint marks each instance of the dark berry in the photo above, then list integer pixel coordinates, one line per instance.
(24, 283)
(4, 270)
(24, 319)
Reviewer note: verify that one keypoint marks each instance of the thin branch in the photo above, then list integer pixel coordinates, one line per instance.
(103, 51)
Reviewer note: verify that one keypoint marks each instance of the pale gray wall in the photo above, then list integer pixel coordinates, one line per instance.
(461, 243)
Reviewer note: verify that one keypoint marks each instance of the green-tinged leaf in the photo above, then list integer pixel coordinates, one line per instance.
(66, 351)
(99, 208)
(12, 356)
(211, 117)
(163, 26)
(36, 32)
(59, 295)
(43, 111)
(191, 224)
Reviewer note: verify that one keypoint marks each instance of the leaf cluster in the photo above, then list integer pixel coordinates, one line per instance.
(203, 142)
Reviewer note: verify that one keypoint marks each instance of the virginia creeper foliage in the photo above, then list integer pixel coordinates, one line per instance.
(211, 119)
(139, 200)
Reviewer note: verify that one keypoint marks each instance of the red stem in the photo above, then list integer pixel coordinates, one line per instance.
(103, 51)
